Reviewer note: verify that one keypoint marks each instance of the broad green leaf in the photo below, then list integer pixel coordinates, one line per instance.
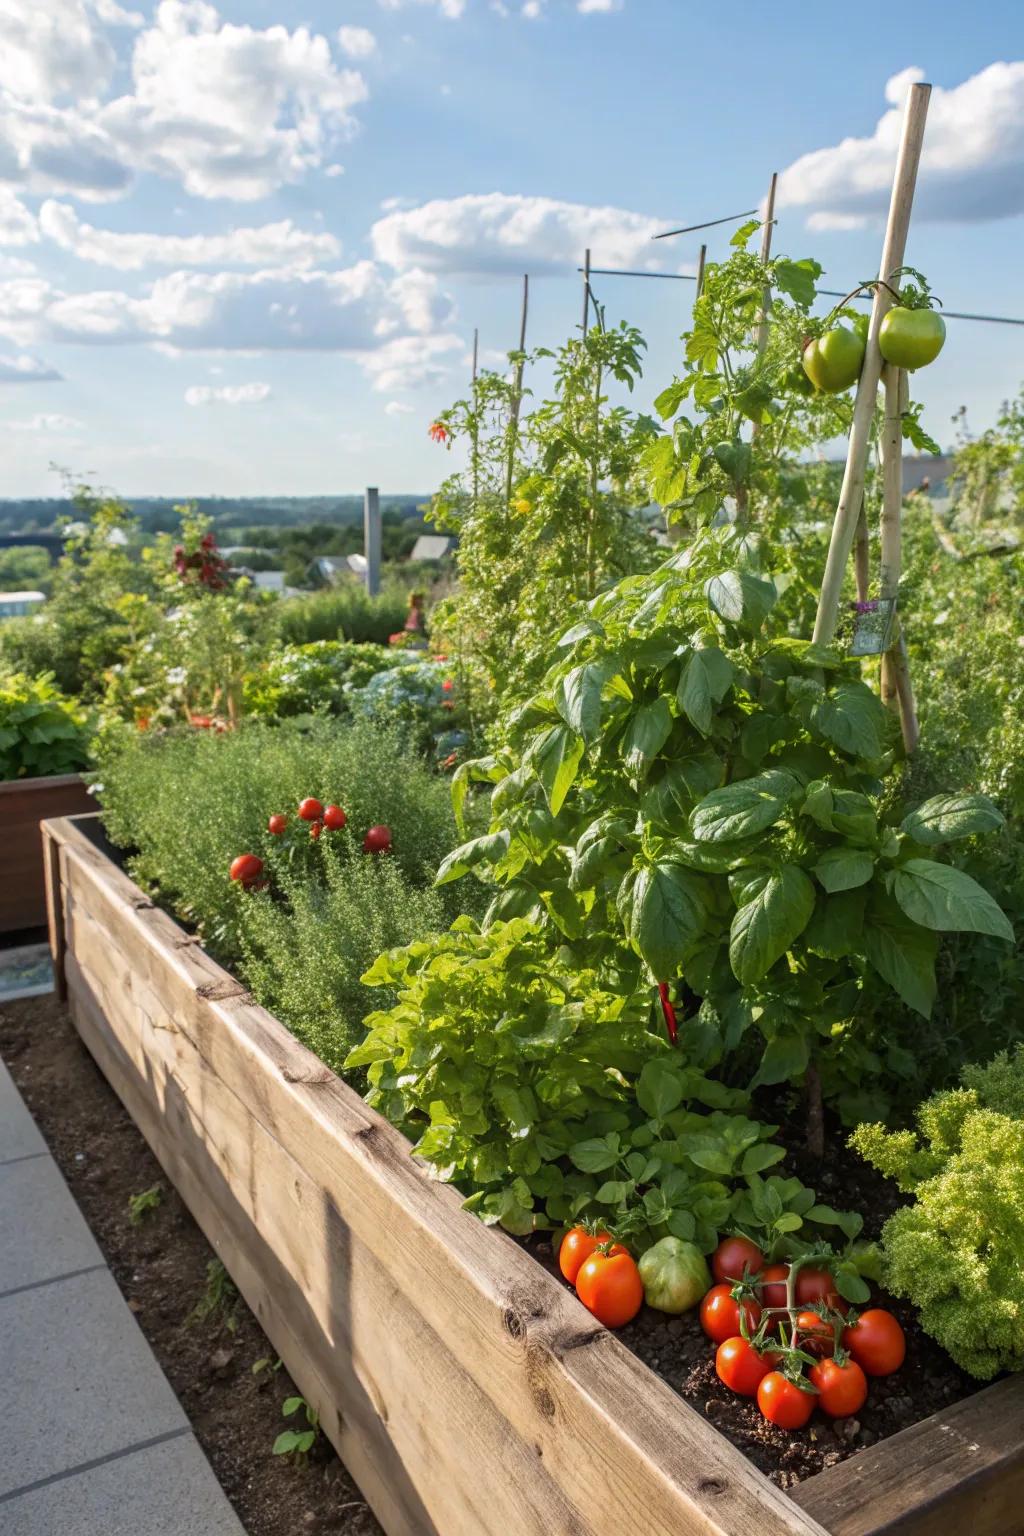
(784, 1058)
(944, 818)
(741, 598)
(659, 1089)
(668, 915)
(765, 927)
(842, 869)
(479, 850)
(852, 718)
(743, 808)
(578, 697)
(596, 1154)
(941, 897)
(798, 279)
(668, 402)
(762, 1156)
(646, 734)
(704, 682)
(555, 757)
(580, 631)
(902, 953)
(838, 921)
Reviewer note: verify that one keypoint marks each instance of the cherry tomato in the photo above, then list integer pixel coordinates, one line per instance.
(877, 1342)
(733, 1255)
(842, 1389)
(784, 1403)
(609, 1285)
(377, 840)
(817, 1285)
(577, 1246)
(833, 362)
(720, 1314)
(813, 1334)
(310, 809)
(773, 1285)
(740, 1366)
(911, 338)
(276, 825)
(246, 868)
(334, 818)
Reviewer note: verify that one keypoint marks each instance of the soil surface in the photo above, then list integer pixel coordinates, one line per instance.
(208, 1343)
(678, 1350)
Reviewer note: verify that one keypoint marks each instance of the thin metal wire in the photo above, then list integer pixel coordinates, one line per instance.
(710, 223)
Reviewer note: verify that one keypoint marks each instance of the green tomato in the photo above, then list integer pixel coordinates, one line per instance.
(911, 338)
(833, 362)
(675, 1275)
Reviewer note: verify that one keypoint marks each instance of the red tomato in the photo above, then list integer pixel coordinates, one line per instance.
(310, 809)
(813, 1334)
(740, 1366)
(877, 1342)
(720, 1314)
(315, 828)
(276, 825)
(784, 1403)
(733, 1255)
(773, 1285)
(609, 1285)
(842, 1389)
(577, 1246)
(246, 868)
(817, 1285)
(377, 840)
(334, 818)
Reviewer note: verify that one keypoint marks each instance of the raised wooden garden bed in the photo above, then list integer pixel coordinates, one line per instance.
(468, 1392)
(24, 803)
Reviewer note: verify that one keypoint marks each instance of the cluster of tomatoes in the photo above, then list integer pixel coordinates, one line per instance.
(247, 868)
(786, 1337)
(606, 1276)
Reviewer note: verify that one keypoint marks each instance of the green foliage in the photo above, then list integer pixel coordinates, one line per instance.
(297, 1443)
(41, 731)
(25, 568)
(543, 1094)
(987, 481)
(144, 1204)
(186, 803)
(345, 612)
(955, 1252)
(314, 678)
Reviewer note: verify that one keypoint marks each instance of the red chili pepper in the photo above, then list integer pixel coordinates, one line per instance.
(669, 1012)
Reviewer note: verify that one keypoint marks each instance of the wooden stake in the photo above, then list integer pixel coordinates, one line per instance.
(476, 351)
(861, 555)
(372, 539)
(701, 260)
(586, 291)
(766, 251)
(517, 397)
(850, 497)
(897, 690)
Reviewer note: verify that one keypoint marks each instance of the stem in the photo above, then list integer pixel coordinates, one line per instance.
(815, 1114)
(861, 555)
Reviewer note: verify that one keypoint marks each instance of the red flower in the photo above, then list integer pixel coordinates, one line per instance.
(669, 1012)
(438, 432)
(447, 685)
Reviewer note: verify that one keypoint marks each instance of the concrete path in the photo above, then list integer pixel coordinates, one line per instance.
(96, 1442)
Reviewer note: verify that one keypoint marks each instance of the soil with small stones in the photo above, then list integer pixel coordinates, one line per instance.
(680, 1353)
(160, 1265)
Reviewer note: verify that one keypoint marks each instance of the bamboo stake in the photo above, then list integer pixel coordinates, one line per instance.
(517, 396)
(850, 497)
(701, 260)
(897, 689)
(861, 555)
(586, 291)
(476, 352)
(766, 251)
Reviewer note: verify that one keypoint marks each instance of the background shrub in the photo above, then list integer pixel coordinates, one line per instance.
(313, 679)
(343, 613)
(41, 731)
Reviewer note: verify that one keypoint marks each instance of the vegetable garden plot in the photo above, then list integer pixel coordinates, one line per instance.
(465, 1389)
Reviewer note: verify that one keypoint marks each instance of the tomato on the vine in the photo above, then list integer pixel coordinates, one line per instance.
(276, 825)
(734, 1255)
(334, 818)
(813, 1334)
(577, 1246)
(740, 1367)
(842, 1389)
(911, 338)
(310, 809)
(833, 362)
(773, 1285)
(609, 1285)
(877, 1342)
(783, 1402)
(377, 840)
(315, 828)
(720, 1314)
(246, 868)
(818, 1285)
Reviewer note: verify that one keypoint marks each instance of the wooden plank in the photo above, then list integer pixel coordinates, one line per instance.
(54, 911)
(506, 1408)
(961, 1470)
(24, 803)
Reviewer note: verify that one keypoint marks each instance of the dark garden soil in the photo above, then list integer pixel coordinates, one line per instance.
(678, 1350)
(161, 1267)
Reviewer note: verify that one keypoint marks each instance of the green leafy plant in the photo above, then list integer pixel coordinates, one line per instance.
(314, 678)
(955, 1251)
(297, 1443)
(144, 1204)
(42, 732)
(219, 1299)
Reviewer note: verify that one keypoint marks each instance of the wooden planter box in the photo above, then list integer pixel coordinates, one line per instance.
(24, 803)
(468, 1392)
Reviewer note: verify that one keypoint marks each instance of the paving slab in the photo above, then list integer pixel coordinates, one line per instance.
(19, 1134)
(43, 1234)
(74, 1360)
(161, 1490)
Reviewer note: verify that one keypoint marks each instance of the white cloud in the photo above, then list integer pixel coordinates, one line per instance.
(972, 165)
(453, 9)
(47, 148)
(496, 232)
(399, 408)
(53, 49)
(44, 421)
(20, 368)
(17, 225)
(531, 9)
(595, 7)
(229, 394)
(334, 170)
(409, 361)
(268, 245)
(357, 42)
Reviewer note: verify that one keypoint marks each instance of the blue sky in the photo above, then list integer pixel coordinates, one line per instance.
(243, 248)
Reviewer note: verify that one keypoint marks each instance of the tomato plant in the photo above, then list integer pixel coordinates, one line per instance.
(737, 1258)
(842, 1387)
(741, 1367)
(721, 1314)
(246, 868)
(334, 818)
(784, 1401)
(310, 809)
(576, 1247)
(377, 840)
(876, 1341)
(912, 335)
(277, 825)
